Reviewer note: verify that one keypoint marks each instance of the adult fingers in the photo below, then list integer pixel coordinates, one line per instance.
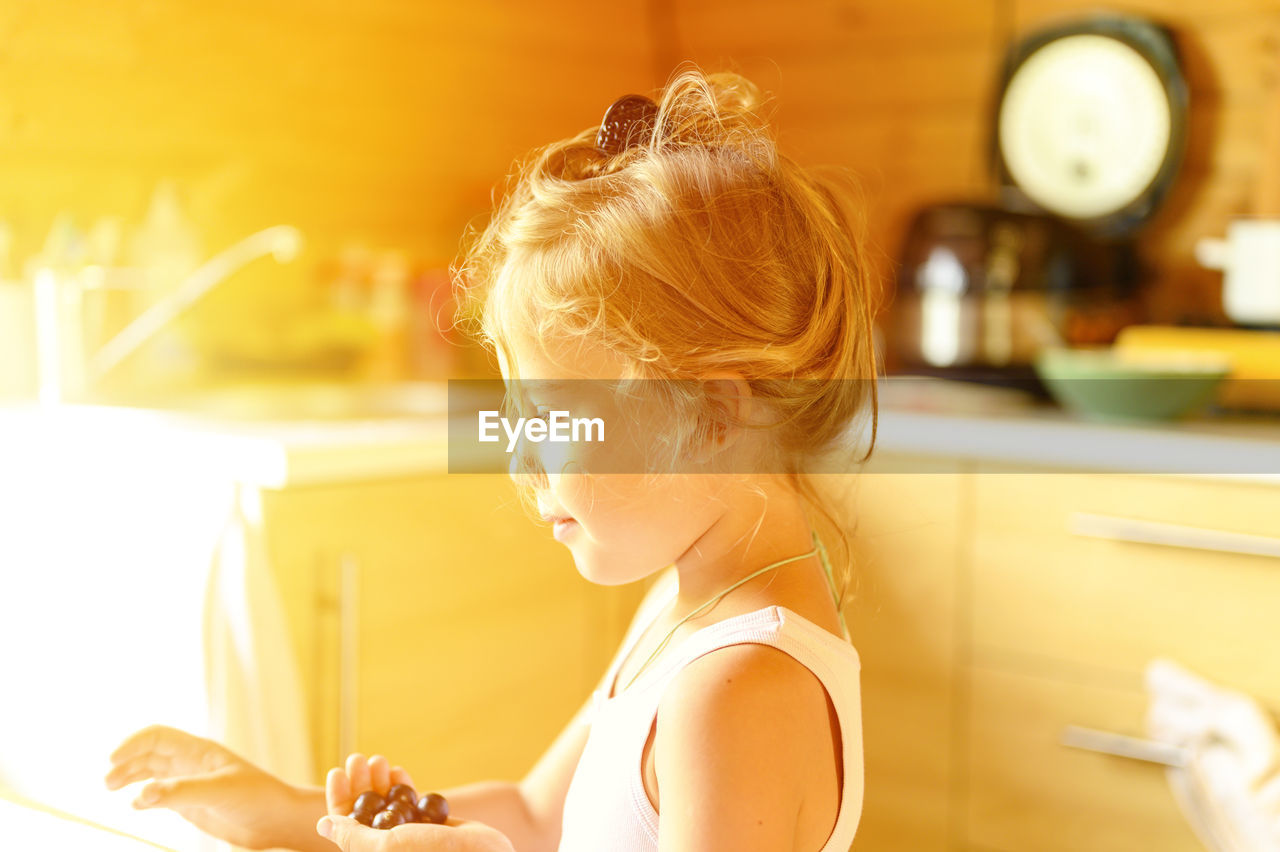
(162, 740)
(136, 769)
(358, 771)
(176, 792)
(379, 774)
(139, 743)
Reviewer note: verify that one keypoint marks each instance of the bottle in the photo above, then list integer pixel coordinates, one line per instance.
(433, 345)
(165, 246)
(389, 311)
(58, 313)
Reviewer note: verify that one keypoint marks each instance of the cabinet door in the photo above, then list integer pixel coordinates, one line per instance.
(1078, 581)
(476, 639)
(1101, 573)
(903, 622)
(1028, 791)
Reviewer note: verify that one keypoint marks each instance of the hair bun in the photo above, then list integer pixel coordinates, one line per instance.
(720, 109)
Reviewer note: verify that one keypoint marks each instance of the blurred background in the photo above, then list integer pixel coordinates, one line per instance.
(225, 337)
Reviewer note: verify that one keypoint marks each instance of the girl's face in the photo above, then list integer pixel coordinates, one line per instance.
(621, 528)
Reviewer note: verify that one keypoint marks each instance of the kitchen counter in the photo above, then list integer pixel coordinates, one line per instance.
(268, 454)
(922, 418)
(950, 421)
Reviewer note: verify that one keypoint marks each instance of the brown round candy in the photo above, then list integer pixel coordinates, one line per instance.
(388, 819)
(402, 793)
(407, 811)
(366, 807)
(433, 808)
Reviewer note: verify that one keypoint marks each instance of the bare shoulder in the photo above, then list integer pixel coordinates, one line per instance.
(739, 732)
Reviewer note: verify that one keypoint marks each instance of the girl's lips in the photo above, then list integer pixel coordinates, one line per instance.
(563, 527)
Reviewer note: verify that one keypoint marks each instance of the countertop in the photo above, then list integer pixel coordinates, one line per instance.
(922, 418)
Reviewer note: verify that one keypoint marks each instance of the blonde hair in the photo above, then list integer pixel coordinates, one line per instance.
(703, 248)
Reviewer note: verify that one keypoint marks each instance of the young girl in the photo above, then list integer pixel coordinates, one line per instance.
(678, 247)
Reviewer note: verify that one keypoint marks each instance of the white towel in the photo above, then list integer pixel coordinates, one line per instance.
(1229, 787)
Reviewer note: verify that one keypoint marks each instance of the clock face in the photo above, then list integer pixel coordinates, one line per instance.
(1084, 126)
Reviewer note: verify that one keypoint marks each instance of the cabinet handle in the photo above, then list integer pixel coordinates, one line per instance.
(1172, 535)
(1106, 742)
(348, 653)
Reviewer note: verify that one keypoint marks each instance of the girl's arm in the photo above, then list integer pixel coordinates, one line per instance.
(529, 812)
(739, 732)
(547, 784)
(545, 787)
(526, 813)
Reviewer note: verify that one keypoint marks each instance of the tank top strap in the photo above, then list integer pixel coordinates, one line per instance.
(776, 626)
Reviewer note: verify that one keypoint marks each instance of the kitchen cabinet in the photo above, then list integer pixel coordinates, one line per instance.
(991, 607)
(1078, 581)
(435, 623)
(996, 606)
(904, 619)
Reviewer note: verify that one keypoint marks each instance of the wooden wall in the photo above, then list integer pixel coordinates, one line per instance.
(902, 92)
(387, 121)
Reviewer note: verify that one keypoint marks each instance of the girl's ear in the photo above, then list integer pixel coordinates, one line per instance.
(729, 403)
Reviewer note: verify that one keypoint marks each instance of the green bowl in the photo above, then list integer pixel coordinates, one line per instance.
(1099, 384)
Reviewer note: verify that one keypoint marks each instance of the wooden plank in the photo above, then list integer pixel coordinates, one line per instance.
(763, 24)
(1227, 48)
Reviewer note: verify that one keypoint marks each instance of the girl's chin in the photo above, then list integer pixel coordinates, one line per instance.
(606, 575)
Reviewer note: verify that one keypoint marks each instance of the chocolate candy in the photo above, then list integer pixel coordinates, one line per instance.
(399, 807)
(403, 793)
(407, 811)
(367, 806)
(433, 808)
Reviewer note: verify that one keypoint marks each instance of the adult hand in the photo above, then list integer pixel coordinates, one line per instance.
(208, 784)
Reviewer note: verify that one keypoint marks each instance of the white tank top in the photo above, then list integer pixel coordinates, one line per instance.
(607, 809)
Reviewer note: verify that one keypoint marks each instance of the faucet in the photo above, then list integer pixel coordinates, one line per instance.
(283, 242)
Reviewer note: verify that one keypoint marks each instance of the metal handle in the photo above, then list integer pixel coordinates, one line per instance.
(1106, 742)
(1172, 535)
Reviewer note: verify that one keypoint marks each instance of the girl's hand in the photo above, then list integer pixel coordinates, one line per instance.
(344, 785)
(457, 835)
(208, 784)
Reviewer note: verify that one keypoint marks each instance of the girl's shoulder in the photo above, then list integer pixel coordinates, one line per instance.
(726, 715)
